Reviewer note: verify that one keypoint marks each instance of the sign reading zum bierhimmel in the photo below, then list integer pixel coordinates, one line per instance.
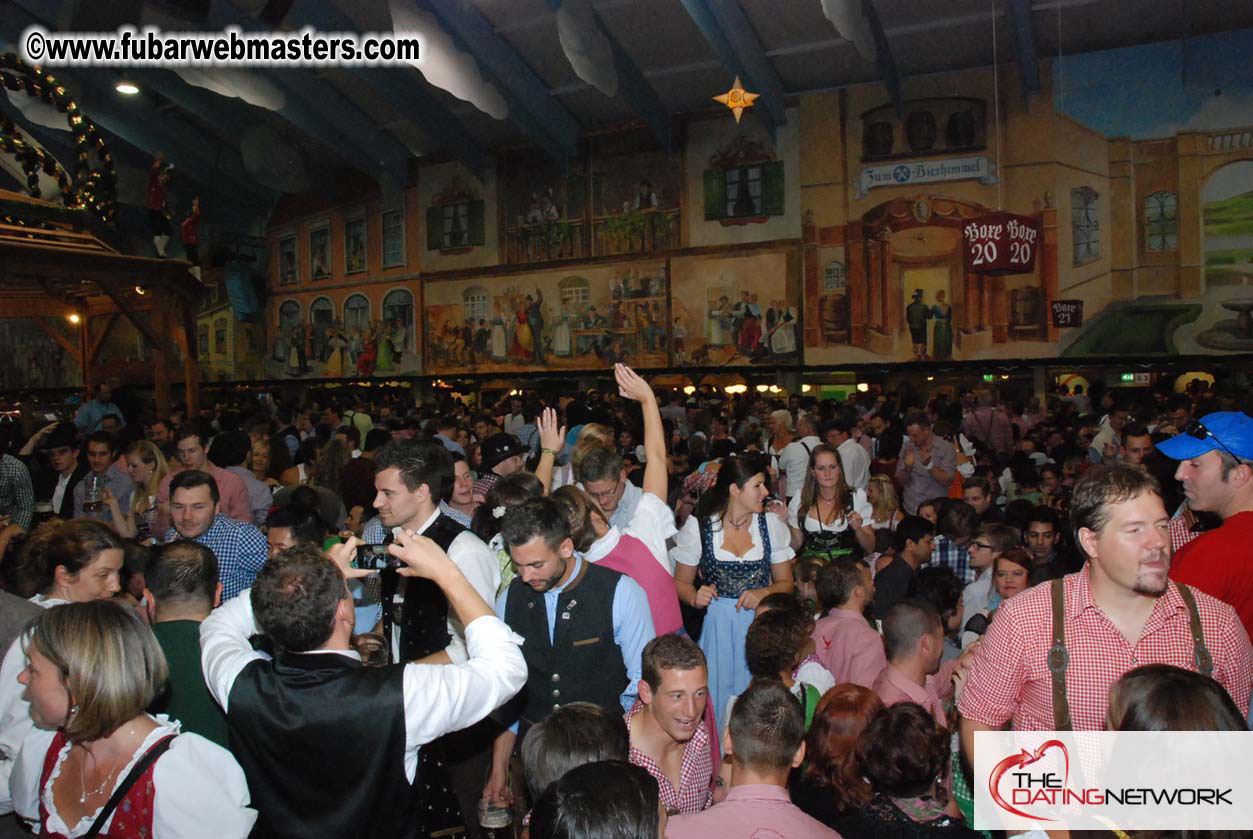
(928, 171)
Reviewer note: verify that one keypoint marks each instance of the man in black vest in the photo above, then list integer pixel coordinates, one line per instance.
(329, 747)
(410, 478)
(584, 629)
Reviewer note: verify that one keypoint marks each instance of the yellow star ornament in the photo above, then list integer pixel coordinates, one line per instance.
(737, 99)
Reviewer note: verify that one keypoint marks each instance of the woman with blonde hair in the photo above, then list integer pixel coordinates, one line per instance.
(147, 467)
(111, 768)
(885, 511)
(590, 437)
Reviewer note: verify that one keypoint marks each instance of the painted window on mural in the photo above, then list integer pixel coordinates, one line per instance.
(739, 192)
(1161, 221)
(833, 276)
(202, 339)
(920, 131)
(356, 312)
(393, 238)
(878, 139)
(454, 226)
(474, 301)
(219, 335)
(398, 315)
(574, 293)
(288, 265)
(1084, 226)
(321, 317)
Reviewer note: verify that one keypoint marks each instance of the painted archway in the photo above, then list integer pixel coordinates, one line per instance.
(1227, 222)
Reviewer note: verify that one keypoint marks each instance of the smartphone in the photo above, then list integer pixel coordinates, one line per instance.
(375, 556)
(50, 417)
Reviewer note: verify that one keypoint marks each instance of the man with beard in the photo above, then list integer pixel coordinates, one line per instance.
(584, 629)
(1119, 612)
(1216, 469)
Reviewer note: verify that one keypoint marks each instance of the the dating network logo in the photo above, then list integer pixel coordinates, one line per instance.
(1027, 788)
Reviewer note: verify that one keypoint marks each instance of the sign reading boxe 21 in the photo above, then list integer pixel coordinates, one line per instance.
(1001, 243)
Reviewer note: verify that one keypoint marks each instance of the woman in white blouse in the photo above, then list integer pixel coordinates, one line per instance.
(63, 562)
(92, 668)
(827, 518)
(743, 553)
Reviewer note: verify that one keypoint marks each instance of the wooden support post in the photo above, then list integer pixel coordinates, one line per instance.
(83, 361)
(98, 341)
(161, 361)
(191, 360)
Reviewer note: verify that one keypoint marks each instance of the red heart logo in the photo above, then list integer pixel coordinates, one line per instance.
(1025, 758)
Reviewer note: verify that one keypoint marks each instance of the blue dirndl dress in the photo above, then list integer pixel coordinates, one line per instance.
(725, 629)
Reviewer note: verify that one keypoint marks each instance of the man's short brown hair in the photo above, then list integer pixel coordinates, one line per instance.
(669, 652)
(1101, 486)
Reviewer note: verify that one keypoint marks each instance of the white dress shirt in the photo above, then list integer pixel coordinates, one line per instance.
(438, 698)
(855, 462)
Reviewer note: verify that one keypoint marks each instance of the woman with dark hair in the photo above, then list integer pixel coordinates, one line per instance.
(903, 754)
(1159, 697)
(743, 553)
(509, 491)
(828, 518)
(609, 799)
(830, 786)
(92, 669)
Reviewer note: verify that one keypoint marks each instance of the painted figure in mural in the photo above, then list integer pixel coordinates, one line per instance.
(679, 336)
(649, 322)
(917, 314)
(942, 337)
(522, 347)
(749, 314)
(535, 320)
(369, 354)
(645, 198)
(498, 343)
(296, 350)
(482, 340)
(386, 360)
(561, 332)
(356, 345)
(591, 319)
(337, 344)
(720, 323)
(783, 335)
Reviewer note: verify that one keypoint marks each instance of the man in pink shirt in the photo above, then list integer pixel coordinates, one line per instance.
(191, 447)
(913, 638)
(843, 641)
(766, 740)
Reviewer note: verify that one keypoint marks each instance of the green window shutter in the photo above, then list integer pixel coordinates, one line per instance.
(476, 235)
(715, 194)
(434, 228)
(772, 188)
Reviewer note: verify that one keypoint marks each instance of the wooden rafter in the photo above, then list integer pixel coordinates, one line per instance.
(69, 346)
(118, 296)
(98, 341)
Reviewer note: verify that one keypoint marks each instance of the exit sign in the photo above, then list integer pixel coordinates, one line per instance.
(1128, 377)
(988, 377)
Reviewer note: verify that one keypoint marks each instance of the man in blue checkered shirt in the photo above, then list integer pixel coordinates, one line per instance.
(241, 549)
(954, 529)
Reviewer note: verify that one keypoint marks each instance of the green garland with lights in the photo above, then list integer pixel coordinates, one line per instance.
(94, 188)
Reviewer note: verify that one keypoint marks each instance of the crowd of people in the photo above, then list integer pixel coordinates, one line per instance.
(609, 614)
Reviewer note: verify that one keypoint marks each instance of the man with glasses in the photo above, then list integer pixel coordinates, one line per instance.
(604, 477)
(1215, 457)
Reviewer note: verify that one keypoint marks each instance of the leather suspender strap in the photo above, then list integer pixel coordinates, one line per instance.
(1200, 653)
(1058, 659)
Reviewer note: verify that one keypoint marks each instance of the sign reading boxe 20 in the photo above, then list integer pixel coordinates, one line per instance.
(1001, 243)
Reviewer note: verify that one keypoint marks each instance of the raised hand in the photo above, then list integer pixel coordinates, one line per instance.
(343, 554)
(631, 385)
(551, 436)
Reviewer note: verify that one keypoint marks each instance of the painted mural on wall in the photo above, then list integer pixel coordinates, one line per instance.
(33, 359)
(344, 334)
(736, 310)
(579, 319)
(544, 205)
(634, 195)
(1188, 110)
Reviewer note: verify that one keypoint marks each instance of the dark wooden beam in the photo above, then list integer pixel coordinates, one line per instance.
(56, 336)
(98, 341)
(118, 296)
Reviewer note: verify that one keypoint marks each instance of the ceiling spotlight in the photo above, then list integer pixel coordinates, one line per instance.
(863, 387)
(140, 290)
(126, 88)
(73, 317)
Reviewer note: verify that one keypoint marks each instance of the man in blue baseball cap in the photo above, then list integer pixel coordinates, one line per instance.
(1215, 455)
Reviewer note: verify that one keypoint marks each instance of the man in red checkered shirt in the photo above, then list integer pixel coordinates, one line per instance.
(1120, 612)
(667, 724)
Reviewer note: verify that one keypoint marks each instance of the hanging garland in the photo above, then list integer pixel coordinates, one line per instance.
(93, 188)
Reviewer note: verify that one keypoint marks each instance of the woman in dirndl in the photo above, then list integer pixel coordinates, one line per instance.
(829, 519)
(743, 553)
